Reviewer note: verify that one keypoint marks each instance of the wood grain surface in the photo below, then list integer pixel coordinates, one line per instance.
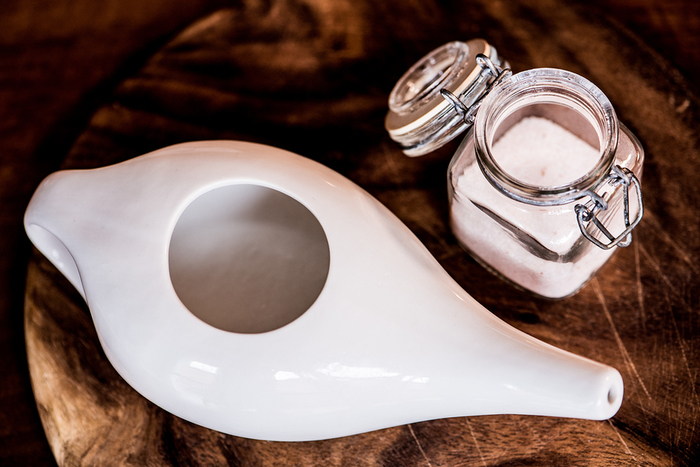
(313, 77)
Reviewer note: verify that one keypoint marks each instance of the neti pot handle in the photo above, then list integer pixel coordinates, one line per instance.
(585, 215)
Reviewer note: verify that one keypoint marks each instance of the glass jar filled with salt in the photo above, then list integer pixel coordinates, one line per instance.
(545, 183)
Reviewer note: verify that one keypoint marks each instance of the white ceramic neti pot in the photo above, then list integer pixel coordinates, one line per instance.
(261, 294)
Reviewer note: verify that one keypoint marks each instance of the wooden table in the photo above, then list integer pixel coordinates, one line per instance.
(230, 76)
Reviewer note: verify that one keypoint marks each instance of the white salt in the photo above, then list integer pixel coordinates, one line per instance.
(539, 152)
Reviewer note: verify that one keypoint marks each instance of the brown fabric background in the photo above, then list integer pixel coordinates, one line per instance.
(313, 77)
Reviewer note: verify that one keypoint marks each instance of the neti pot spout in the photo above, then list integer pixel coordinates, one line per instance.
(261, 294)
(535, 378)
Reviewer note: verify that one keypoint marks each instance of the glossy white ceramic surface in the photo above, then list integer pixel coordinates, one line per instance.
(389, 338)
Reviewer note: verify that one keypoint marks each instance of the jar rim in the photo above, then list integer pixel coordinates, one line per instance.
(554, 86)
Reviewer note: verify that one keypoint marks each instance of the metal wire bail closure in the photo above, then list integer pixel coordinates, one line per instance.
(468, 114)
(586, 215)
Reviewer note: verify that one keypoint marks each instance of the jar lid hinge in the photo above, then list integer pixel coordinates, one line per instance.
(468, 113)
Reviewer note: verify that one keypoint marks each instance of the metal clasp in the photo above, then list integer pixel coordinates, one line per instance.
(468, 114)
(585, 215)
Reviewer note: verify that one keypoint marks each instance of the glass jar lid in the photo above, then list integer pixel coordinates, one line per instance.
(420, 119)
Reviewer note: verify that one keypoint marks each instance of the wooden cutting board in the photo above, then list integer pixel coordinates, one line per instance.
(313, 77)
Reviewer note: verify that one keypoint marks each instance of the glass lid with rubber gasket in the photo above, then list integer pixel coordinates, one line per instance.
(419, 118)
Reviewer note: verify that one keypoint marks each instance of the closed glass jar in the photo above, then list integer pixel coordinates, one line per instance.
(545, 184)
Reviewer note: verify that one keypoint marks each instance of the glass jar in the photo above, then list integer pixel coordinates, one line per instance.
(546, 181)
